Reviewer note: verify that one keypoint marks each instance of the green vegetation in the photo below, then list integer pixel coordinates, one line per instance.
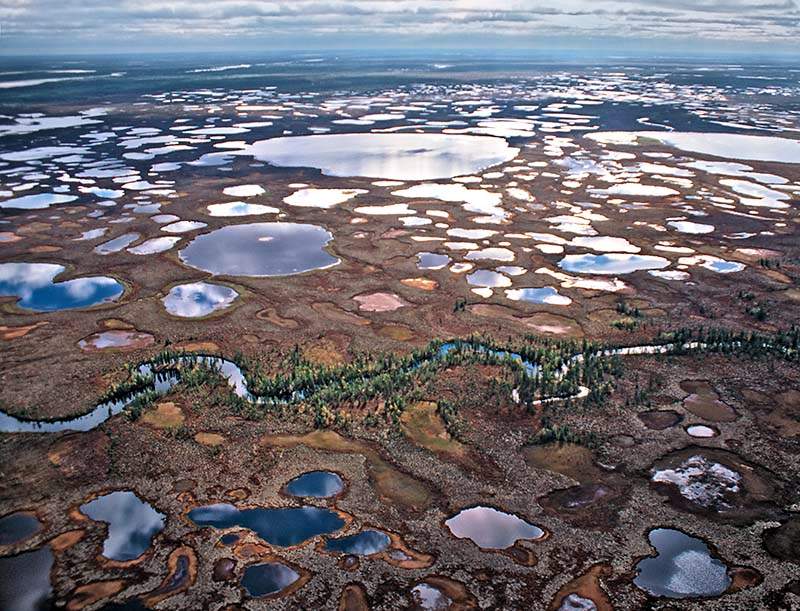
(135, 384)
(181, 432)
(758, 311)
(453, 423)
(139, 403)
(562, 434)
(770, 263)
(626, 324)
(628, 310)
(200, 374)
(642, 395)
(536, 371)
(784, 344)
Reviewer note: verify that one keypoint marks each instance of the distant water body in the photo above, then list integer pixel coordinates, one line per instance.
(90, 79)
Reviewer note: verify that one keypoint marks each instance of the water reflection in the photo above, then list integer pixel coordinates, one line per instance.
(267, 579)
(727, 146)
(432, 260)
(154, 246)
(575, 602)
(389, 156)
(25, 581)
(198, 299)
(231, 209)
(261, 250)
(546, 295)
(429, 598)
(118, 339)
(315, 484)
(683, 568)
(487, 278)
(33, 284)
(36, 202)
(614, 263)
(117, 244)
(278, 526)
(132, 523)
(491, 528)
(17, 527)
(365, 543)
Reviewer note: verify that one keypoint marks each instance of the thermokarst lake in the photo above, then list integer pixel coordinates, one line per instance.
(339, 330)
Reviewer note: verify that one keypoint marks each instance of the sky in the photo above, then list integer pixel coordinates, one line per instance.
(679, 26)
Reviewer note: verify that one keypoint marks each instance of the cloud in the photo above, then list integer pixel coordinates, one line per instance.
(92, 23)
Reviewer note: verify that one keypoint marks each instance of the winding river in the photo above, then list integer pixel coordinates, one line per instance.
(167, 375)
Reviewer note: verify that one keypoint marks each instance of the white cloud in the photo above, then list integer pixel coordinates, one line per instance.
(72, 22)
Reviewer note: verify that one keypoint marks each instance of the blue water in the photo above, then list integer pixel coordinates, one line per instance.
(17, 527)
(315, 484)
(365, 543)
(490, 528)
(530, 368)
(682, 568)
(229, 539)
(260, 250)
(267, 579)
(132, 523)
(119, 77)
(283, 527)
(164, 381)
(33, 284)
(198, 299)
(25, 581)
(72, 294)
